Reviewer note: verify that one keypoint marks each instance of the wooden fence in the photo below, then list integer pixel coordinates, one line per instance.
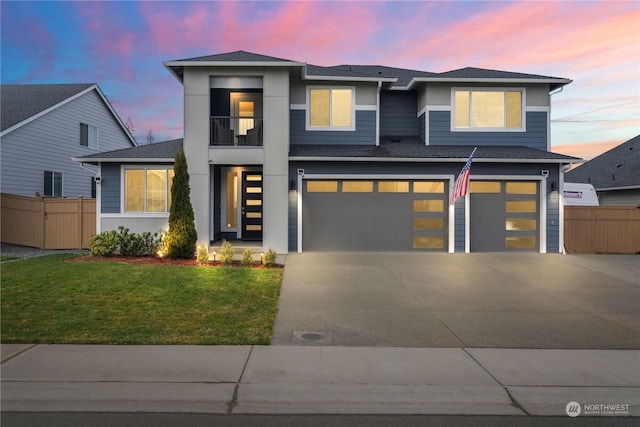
(602, 229)
(47, 223)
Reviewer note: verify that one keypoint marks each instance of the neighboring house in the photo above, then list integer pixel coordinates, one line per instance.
(614, 174)
(44, 126)
(350, 157)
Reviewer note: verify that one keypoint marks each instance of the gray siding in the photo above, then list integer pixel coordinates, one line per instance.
(422, 130)
(110, 188)
(398, 111)
(534, 137)
(365, 133)
(49, 142)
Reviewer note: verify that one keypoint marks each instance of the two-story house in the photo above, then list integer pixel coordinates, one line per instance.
(350, 157)
(44, 126)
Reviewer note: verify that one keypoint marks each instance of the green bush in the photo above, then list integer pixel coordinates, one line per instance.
(103, 244)
(269, 258)
(182, 236)
(226, 253)
(125, 242)
(203, 255)
(247, 258)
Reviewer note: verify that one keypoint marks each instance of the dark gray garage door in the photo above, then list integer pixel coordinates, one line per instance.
(504, 216)
(374, 215)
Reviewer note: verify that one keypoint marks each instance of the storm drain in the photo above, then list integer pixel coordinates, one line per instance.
(312, 337)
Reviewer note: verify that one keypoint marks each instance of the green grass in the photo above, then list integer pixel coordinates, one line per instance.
(6, 258)
(49, 300)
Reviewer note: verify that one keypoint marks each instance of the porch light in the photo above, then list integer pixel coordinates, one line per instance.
(262, 257)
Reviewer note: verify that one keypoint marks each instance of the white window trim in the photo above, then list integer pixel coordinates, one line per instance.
(123, 187)
(523, 110)
(97, 147)
(308, 126)
(53, 180)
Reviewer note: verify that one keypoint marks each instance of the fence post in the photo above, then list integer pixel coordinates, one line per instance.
(79, 222)
(43, 215)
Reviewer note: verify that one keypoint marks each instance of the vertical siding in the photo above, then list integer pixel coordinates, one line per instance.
(553, 210)
(110, 187)
(422, 129)
(535, 136)
(49, 143)
(293, 218)
(398, 112)
(459, 226)
(364, 134)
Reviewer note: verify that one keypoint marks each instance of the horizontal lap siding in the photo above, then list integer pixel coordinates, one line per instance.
(398, 111)
(365, 133)
(49, 142)
(110, 188)
(535, 136)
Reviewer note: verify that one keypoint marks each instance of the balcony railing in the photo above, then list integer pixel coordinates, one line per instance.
(238, 131)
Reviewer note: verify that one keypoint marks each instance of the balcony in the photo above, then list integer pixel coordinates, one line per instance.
(236, 131)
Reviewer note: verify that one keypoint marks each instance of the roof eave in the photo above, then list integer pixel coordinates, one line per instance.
(96, 160)
(430, 159)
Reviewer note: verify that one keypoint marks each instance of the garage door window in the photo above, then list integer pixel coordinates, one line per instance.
(428, 187)
(485, 187)
(428, 242)
(357, 186)
(520, 242)
(428, 205)
(522, 188)
(521, 206)
(428, 223)
(393, 186)
(322, 186)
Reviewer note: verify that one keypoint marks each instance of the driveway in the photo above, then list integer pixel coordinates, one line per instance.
(494, 300)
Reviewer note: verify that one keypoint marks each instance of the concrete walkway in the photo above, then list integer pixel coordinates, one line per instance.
(290, 379)
(494, 300)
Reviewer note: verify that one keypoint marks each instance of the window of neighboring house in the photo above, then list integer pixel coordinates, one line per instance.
(53, 184)
(147, 189)
(88, 136)
(331, 108)
(93, 187)
(487, 109)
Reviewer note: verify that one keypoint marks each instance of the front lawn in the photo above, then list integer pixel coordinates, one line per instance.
(50, 300)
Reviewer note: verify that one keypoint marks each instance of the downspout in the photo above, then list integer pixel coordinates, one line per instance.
(378, 112)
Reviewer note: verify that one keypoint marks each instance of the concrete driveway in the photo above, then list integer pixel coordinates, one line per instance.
(495, 300)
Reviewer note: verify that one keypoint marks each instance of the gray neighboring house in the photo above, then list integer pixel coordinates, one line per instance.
(350, 158)
(44, 126)
(615, 174)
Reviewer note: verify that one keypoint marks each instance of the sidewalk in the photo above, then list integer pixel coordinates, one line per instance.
(316, 380)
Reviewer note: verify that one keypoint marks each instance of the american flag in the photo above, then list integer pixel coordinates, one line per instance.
(461, 186)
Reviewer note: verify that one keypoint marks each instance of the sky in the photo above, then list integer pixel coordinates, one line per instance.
(121, 45)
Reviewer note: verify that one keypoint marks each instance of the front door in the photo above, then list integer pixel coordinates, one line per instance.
(252, 205)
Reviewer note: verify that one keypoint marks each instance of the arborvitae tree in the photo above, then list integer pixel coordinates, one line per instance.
(182, 236)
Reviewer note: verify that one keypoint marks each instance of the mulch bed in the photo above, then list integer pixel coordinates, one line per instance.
(149, 260)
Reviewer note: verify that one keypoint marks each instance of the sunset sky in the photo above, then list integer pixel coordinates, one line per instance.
(122, 45)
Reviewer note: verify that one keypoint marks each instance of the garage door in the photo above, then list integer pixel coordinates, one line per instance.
(374, 215)
(504, 216)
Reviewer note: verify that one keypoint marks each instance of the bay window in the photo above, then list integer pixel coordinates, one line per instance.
(330, 108)
(147, 189)
(487, 109)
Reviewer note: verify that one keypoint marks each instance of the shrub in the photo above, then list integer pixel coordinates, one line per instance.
(182, 236)
(226, 253)
(203, 255)
(247, 258)
(103, 244)
(269, 258)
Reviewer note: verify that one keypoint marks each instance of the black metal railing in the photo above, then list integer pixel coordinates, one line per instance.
(239, 131)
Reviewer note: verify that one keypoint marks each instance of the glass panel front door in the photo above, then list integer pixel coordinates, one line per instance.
(252, 205)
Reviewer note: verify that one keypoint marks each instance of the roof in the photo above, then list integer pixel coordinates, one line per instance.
(20, 102)
(400, 78)
(413, 148)
(158, 152)
(617, 168)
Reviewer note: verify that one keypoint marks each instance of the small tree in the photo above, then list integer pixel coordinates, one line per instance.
(182, 236)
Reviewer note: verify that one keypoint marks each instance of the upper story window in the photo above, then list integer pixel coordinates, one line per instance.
(487, 109)
(147, 189)
(88, 136)
(331, 108)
